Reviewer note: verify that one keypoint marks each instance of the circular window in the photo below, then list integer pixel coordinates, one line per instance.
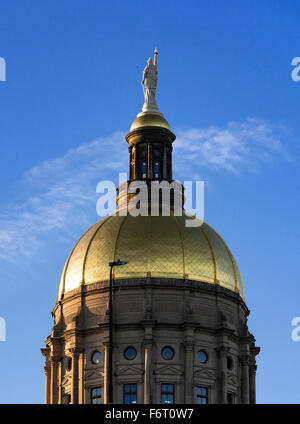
(229, 362)
(130, 353)
(96, 357)
(69, 364)
(167, 353)
(202, 356)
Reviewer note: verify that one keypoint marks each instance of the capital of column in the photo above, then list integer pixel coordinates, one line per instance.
(254, 350)
(223, 351)
(189, 325)
(74, 351)
(252, 369)
(244, 360)
(188, 345)
(46, 352)
(54, 359)
(148, 344)
(47, 369)
(148, 323)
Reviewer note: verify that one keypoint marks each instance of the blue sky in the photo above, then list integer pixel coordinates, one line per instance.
(72, 91)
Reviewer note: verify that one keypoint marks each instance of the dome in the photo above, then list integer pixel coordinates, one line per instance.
(146, 119)
(154, 246)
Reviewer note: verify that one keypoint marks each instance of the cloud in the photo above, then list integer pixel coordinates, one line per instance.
(235, 148)
(59, 195)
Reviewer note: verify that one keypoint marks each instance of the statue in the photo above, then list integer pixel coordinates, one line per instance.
(149, 84)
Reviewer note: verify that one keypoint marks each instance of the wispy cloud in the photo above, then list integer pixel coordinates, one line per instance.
(60, 193)
(235, 148)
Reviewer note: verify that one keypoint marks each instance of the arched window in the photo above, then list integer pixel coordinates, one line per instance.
(144, 169)
(156, 170)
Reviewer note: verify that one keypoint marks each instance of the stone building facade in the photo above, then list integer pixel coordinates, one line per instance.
(178, 319)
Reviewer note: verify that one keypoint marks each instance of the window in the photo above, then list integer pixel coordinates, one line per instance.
(130, 353)
(96, 357)
(156, 169)
(229, 362)
(230, 398)
(96, 395)
(143, 169)
(167, 353)
(202, 356)
(156, 150)
(142, 151)
(167, 393)
(69, 364)
(202, 395)
(129, 393)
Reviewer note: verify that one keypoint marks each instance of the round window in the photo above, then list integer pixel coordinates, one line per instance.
(202, 356)
(229, 362)
(96, 357)
(130, 353)
(167, 353)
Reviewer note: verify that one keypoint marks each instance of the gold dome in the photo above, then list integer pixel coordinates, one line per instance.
(161, 247)
(150, 120)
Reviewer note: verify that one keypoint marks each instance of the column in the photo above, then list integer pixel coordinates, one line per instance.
(133, 163)
(75, 354)
(188, 339)
(131, 166)
(252, 372)
(245, 379)
(165, 164)
(171, 166)
(47, 369)
(148, 373)
(188, 372)
(106, 372)
(81, 378)
(60, 377)
(223, 353)
(224, 377)
(54, 383)
(148, 325)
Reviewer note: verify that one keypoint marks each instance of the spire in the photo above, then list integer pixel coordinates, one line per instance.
(150, 138)
(150, 142)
